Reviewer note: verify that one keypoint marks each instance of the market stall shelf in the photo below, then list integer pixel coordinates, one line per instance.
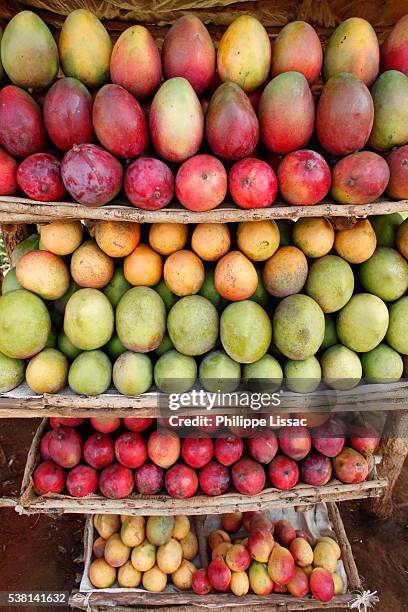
(22, 210)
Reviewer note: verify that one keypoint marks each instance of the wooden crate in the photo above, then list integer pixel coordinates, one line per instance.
(172, 601)
(301, 496)
(23, 403)
(14, 209)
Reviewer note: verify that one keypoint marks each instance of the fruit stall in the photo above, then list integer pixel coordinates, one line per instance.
(207, 201)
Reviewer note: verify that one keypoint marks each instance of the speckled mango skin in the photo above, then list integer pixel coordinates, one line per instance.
(353, 47)
(298, 326)
(244, 53)
(85, 48)
(29, 53)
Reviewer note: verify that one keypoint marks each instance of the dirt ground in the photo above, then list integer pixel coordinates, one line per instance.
(41, 553)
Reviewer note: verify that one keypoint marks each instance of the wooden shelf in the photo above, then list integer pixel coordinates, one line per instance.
(23, 403)
(23, 210)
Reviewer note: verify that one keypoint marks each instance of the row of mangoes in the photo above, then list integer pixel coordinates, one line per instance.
(30, 56)
(281, 301)
(247, 552)
(280, 115)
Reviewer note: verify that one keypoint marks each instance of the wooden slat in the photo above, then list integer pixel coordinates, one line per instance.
(23, 403)
(22, 210)
(301, 495)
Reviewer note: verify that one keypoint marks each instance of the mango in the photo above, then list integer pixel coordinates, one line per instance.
(188, 51)
(68, 116)
(128, 576)
(345, 115)
(281, 565)
(159, 529)
(175, 372)
(245, 331)
(231, 125)
(176, 120)
(359, 178)
(101, 574)
(324, 555)
(85, 48)
(106, 524)
(141, 319)
(154, 580)
(90, 266)
(189, 544)
(299, 585)
(382, 364)
(393, 51)
(259, 579)
(181, 527)
(90, 373)
(321, 584)
(338, 584)
(357, 243)
(390, 97)
(330, 282)
(333, 543)
(169, 556)
(297, 47)
(25, 324)
(29, 53)
(341, 367)
(116, 552)
(27, 245)
(285, 272)
(193, 325)
(43, 273)
(11, 373)
(244, 53)
(302, 552)
(239, 583)
(314, 236)
(398, 327)
(143, 556)
(132, 531)
(47, 372)
(286, 113)
(132, 373)
(266, 373)
(88, 319)
(183, 576)
(298, 326)
(219, 373)
(363, 322)
(302, 375)
(353, 47)
(135, 62)
(385, 274)
(22, 129)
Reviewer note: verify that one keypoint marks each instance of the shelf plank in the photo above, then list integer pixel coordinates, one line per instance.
(23, 403)
(300, 496)
(22, 210)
